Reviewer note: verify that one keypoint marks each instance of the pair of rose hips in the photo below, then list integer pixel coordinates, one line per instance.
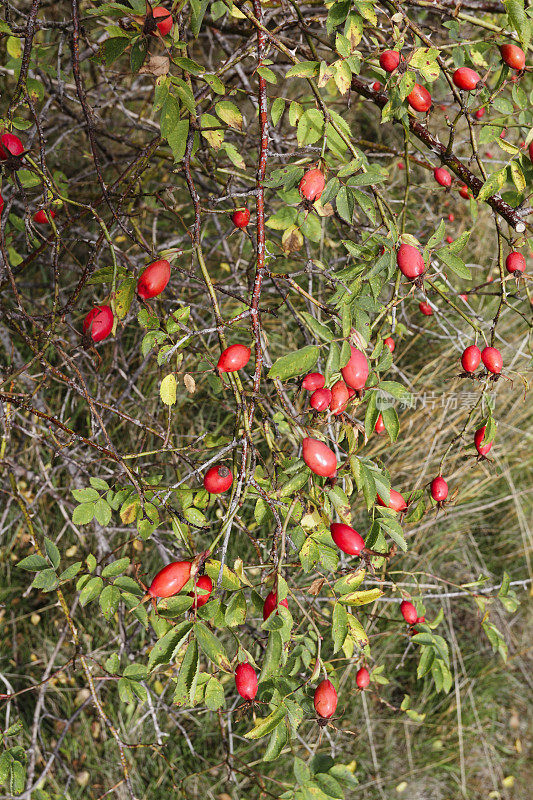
(325, 698)
(171, 579)
(419, 98)
(491, 357)
(165, 20)
(409, 613)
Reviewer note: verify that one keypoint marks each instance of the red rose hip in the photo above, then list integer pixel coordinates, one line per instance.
(419, 99)
(410, 261)
(397, 502)
(379, 427)
(165, 20)
(347, 539)
(233, 358)
(389, 342)
(41, 216)
(271, 603)
(471, 358)
(513, 56)
(442, 176)
(246, 681)
(408, 612)
(362, 678)
(320, 399)
(10, 145)
(466, 79)
(153, 279)
(205, 584)
(492, 358)
(325, 699)
(355, 372)
(426, 309)
(98, 323)
(319, 458)
(515, 262)
(241, 217)
(312, 381)
(339, 397)
(312, 185)
(439, 489)
(389, 60)
(171, 579)
(479, 435)
(218, 479)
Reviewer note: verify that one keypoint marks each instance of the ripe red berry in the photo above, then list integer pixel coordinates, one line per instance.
(379, 427)
(515, 262)
(98, 323)
(466, 79)
(482, 449)
(325, 699)
(319, 458)
(320, 399)
(409, 612)
(401, 165)
(471, 358)
(271, 603)
(419, 99)
(389, 342)
(439, 489)
(241, 217)
(153, 279)
(171, 579)
(513, 56)
(347, 539)
(206, 584)
(233, 358)
(362, 678)
(449, 239)
(10, 145)
(218, 479)
(410, 261)
(376, 86)
(426, 309)
(451, 217)
(421, 619)
(312, 185)
(355, 372)
(397, 502)
(389, 60)
(246, 681)
(312, 381)
(492, 358)
(41, 218)
(464, 297)
(480, 113)
(442, 176)
(464, 191)
(165, 17)
(339, 397)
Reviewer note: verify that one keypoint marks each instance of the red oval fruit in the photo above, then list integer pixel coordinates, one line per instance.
(319, 458)
(347, 539)
(362, 678)
(513, 56)
(401, 165)
(376, 86)
(271, 604)
(480, 113)
(389, 342)
(451, 217)
(98, 323)
(325, 699)
(165, 20)
(339, 398)
(233, 358)
(419, 99)
(379, 427)
(408, 612)
(389, 60)
(241, 217)
(10, 145)
(492, 358)
(41, 218)
(439, 489)
(464, 191)
(530, 151)
(442, 176)
(312, 185)
(466, 79)
(205, 583)
(515, 262)
(171, 579)
(153, 279)
(246, 681)
(1, 203)
(471, 358)
(320, 399)
(355, 372)
(410, 261)
(312, 381)
(218, 479)
(449, 239)
(397, 502)
(482, 449)
(426, 309)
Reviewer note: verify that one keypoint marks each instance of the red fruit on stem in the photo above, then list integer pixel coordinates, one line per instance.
(206, 584)
(442, 176)
(471, 358)
(312, 381)
(379, 427)
(376, 86)
(513, 56)
(312, 185)
(482, 449)
(10, 145)
(480, 113)
(397, 502)
(466, 79)
(98, 323)
(426, 309)
(389, 60)
(389, 342)
(362, 678)
(409, 612)
(347, 539)
(355, 372)
(492, 358)
(339, 398)
(451, 217)
(439, 489)
(319, 458)
(233, 358)
(246, 681)
(325, 699)
(320, 399)
(165, 20)
(171, 579)
(464, 191)
(410, 261)
(153, 279)
(515, 262)
(271, 603)
(419, 99)
(241, 217)
(41, 218)
(449, 239)
(218, 479)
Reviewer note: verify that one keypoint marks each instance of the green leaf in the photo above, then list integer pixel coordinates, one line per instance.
(138, 54)
(391, 422)
(109, 600)
(339, 626)
(492, 185)
(91, 590)
(236, 610)
(115, 567)
(361, 598)
(519, 20)
(266, 725)
(214, 694)
(310, 127)
(83, 514)
(345, 204)
(272, 658)
(45, 580)
(305, 69)
(70, 572)
(211, 646)
(178, 139)
(33, 563)
(295, 363)
(276, 743)
(188, 675)
(455, 263)
(165, 649)
(318, 328)
(229, 113)
(198, 9)
(102, 512)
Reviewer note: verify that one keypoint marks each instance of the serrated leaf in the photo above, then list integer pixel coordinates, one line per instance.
(295, 363)
(229, 113)
(168, 389)
(52, 552)
(266, 725)
(361, 598)
(167, 646)
(91, 590)
(34, 563)
(211, 646)
(115, 568)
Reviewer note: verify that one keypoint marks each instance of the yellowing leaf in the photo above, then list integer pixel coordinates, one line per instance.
(167, 389)
(229, 113)
(292, 240)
